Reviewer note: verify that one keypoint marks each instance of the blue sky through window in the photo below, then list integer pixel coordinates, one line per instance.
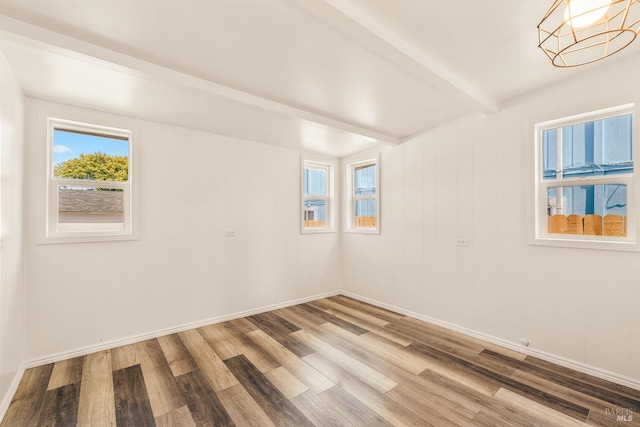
(68, 145)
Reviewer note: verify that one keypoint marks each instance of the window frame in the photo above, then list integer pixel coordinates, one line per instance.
(51, 234)
(540, 235)
(352, 198)
(329, 198)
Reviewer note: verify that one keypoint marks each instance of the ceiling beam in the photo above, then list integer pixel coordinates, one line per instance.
(50, 41)
(352, 22)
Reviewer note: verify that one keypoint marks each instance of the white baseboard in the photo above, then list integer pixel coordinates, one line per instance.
(6, 400)
(558, 360)
(155, 334)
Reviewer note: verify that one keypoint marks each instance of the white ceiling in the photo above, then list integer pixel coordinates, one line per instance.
(329, 76)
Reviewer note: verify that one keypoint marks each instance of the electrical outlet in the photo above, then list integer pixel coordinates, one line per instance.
(462, 242)
(230, 233)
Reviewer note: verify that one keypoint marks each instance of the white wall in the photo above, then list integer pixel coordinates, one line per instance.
(469, 179)
(193, 186)
(12, 284)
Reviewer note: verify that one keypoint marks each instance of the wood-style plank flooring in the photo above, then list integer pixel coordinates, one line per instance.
(331, 362)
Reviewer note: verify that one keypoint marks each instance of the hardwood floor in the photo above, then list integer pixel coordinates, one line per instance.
(331, 362)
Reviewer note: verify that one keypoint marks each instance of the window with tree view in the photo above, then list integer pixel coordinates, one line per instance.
(89, 183)
(585, 177)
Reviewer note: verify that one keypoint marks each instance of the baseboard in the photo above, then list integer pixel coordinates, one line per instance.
(155, 334)
(558, 360)
(8, 397)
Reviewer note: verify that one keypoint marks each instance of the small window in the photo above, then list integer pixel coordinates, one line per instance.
(363, 201)
(89, 182)
(317, 196)
(585, 179)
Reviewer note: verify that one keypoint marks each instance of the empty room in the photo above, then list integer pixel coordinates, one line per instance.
(319, 213)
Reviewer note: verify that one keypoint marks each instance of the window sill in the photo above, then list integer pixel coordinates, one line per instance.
(87, 238)
(586, 243)
(363, 230)
(320, 231)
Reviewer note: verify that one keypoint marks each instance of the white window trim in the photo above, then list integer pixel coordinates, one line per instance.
(350, 197)
(51, 235)
(539, 234)
(330, 167)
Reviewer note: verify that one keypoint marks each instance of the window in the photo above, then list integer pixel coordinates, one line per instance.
(363, 196)
(317, 196)
(89, 194)
(585, 188)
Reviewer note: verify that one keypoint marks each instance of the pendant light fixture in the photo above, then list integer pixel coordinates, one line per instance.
(578, 32)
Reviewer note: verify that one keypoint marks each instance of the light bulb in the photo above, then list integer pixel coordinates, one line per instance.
(582, 13)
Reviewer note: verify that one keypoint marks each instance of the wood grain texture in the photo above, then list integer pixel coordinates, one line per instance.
(124, 357)
(286, 382)
(280, 330)
(162, 388)
(97, 401)
(273, 403)
(179, 359)
(66, 372)
(305, 373)
(333, 362)
(318, 412)
(25, 407)
(131, 398)
(208, 361)
(243, 409)
(216, 338)
(60, 406)
(203, 403)
(180, 417)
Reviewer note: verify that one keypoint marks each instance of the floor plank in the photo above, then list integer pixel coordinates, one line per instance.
(280, 330)
(131, 398)
(180, 417)
(60, 407)
(321, 317)
(208, 361)
(244, 411)
(371, 376)
(66, 372)
(286, 382)
(97, 400)
(260, 359)
(124, 357)
(162, 388)
(214, 336)
(351, 408)
(273, 403)
(305, 373)
(204, 405)
(179, 359)
(316, 410)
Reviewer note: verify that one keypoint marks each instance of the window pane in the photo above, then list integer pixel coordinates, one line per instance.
(90, 209)
(365, 213)
(315, 182)
(88, 156)
(589, 209)
(599, 147)
(315, 213)
(364, 180)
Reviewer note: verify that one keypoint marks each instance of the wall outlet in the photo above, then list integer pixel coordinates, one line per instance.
(230, 233)
(462, 242)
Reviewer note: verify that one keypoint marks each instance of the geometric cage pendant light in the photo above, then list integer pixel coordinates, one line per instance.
(578, 32)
